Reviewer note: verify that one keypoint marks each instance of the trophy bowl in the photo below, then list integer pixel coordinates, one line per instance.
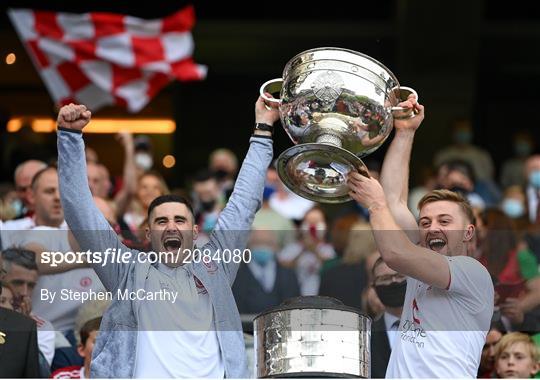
(337, 106)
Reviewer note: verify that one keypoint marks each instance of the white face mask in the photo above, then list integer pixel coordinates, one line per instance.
(144, 161)
(18, 207)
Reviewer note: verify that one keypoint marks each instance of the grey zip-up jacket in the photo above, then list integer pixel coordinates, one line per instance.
(115, 348)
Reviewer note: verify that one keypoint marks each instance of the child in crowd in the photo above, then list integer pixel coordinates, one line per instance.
(516, 356)
(88, 335)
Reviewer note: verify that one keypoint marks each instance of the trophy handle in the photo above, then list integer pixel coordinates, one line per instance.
(272, 86)
(402, 112)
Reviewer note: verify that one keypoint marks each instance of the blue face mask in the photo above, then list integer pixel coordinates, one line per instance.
(18, 207)
(463, 136)
(268, 191)
(534, 178)
(262, 255)
(209, 222)
(513, 208)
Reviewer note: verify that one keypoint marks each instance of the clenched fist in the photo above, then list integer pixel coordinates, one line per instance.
(412, 123)
(74, 116)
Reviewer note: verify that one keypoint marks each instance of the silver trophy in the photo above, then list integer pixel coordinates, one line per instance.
(312, 337)
(337, 106)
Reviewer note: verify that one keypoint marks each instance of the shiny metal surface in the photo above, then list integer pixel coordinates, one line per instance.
(318, 170)
(312, 342)
(340, 98)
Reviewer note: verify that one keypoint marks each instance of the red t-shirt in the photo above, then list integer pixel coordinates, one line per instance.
(72, 372)
(511, 272)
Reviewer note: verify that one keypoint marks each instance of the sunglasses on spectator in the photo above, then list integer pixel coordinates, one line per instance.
(10, 254)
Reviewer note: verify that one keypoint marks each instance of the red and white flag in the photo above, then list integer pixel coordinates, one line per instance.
(100, 58)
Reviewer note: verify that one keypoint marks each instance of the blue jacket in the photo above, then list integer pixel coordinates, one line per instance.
(115, 348)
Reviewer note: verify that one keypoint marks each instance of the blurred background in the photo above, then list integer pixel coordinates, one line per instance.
(474, 59)
(475, 65)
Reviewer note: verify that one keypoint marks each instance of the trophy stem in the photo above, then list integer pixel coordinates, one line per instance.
(329, 139)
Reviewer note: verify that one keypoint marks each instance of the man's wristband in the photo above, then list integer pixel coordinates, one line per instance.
(264, 127)
(69, 130)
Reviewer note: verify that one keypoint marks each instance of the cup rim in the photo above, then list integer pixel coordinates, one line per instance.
(353, 52)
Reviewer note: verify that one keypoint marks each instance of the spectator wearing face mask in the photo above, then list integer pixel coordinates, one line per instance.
(10, 204)
(390, 287)
(208, 203)
(512, 170)
(144, 159)
(263, 283)
(309, 252)
(458, 176)
(514, 206)
(223, 163)
(370, 301)
(479, 160)
(464, 149)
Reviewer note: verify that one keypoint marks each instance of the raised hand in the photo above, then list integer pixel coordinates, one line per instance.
(74, 116)
(265, 115)
(126, 139)
(414, 122)
(366, 191)
(511, 309)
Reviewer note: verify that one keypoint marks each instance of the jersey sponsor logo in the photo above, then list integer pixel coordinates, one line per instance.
(85, 282)
(415, 307)
(200, 287)
(413, 333)
(211, 266)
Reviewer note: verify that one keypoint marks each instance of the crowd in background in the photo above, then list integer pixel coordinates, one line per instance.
(297, 247)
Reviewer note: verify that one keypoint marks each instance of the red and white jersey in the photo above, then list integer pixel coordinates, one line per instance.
(73, 372)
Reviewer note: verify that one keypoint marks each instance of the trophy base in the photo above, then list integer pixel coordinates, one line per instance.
(318, 171)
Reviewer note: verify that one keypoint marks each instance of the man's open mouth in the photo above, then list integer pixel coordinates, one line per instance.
(436, 244)
(172, 243)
